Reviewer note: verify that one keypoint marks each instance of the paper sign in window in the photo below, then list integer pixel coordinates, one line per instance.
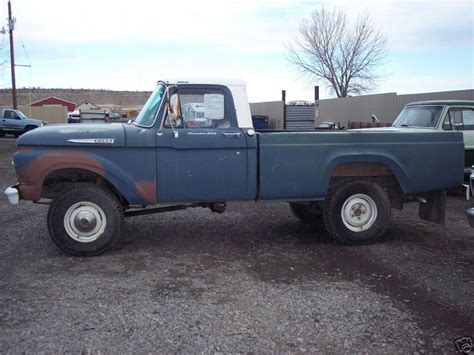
(214, 106)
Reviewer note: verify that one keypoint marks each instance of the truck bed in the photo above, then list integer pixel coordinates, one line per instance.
(297, 166)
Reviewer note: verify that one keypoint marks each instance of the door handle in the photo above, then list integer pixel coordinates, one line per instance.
(232, 134)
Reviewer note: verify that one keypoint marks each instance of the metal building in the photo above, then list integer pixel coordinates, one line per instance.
(347, 109)
(385, 106)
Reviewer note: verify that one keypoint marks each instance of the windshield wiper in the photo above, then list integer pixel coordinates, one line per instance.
(404, 125)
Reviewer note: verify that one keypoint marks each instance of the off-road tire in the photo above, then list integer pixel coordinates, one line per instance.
(334, 203)
(88, 193)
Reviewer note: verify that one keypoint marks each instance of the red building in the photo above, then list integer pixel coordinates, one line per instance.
(55, 101)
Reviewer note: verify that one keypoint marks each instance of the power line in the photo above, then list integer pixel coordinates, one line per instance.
(24, 49)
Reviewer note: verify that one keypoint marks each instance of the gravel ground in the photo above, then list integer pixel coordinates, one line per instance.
(253, 279)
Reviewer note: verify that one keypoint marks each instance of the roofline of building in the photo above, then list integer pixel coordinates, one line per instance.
(53, 97)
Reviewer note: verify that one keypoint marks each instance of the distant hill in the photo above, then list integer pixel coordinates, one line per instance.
(103, 98)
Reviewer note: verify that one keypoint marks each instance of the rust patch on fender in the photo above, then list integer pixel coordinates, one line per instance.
(32, 177)
(147, 191)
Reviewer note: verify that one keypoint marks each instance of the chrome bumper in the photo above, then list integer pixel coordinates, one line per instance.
(12, 194)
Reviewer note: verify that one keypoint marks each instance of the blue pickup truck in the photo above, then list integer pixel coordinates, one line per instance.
(193, 145)
(15, 122)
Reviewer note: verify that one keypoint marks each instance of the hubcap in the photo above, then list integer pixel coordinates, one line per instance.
(85, 222)
(359, 212)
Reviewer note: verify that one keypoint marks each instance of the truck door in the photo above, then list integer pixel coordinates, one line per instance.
(201, 152)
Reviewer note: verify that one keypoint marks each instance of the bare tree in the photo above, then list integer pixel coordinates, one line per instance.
(344, 55)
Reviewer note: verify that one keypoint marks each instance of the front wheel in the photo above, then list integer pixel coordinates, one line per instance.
(357, 212)
(29, 128)
(85, 220)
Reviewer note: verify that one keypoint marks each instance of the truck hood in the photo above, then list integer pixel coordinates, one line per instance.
(34, 121)
(71, 135)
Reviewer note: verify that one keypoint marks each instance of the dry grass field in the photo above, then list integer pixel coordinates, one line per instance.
(103, 98)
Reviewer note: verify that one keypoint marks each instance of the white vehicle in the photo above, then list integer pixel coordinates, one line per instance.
(74, 117)
(193, 115)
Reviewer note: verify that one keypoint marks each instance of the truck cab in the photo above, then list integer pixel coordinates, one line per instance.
(442, 115)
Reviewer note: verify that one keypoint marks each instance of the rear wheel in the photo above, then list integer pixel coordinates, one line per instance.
(85, 220)
(357, 212)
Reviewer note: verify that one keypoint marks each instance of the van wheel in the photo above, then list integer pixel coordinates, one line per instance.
(85, 220)
(357, 212)
(308, 213)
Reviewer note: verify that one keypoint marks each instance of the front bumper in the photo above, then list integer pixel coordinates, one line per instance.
(12, 194)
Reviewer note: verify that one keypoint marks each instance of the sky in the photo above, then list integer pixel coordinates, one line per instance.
(129, 45)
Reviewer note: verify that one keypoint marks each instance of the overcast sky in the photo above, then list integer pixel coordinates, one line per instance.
(129, 45)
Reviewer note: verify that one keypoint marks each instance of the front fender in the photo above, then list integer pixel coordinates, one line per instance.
(33, 167)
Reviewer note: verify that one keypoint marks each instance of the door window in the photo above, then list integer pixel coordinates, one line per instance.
(463, 116)
(12, 115)
(198, 108)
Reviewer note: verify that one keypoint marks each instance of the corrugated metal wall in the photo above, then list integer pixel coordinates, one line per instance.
(52, 114)
(299, 117)
(385, 106)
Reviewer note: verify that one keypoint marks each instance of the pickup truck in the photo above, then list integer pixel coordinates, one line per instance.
(442, 115)
(94, 175)
(16, 123)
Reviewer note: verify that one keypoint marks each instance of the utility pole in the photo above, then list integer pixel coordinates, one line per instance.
(11, 27)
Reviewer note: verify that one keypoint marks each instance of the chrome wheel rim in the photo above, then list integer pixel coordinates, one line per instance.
(85, 222)
(359, 212)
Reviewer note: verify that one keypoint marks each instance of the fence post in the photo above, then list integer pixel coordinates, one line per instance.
(283, 98)
(316, 104)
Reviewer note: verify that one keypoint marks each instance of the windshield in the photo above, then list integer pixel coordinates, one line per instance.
(21, 114)
(146, 116)
(419, 116)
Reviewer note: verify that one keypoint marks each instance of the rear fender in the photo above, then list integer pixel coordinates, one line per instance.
(365, 165)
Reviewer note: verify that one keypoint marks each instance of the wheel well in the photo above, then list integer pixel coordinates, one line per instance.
(30, 126)
(58, 180)
(376, 172)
